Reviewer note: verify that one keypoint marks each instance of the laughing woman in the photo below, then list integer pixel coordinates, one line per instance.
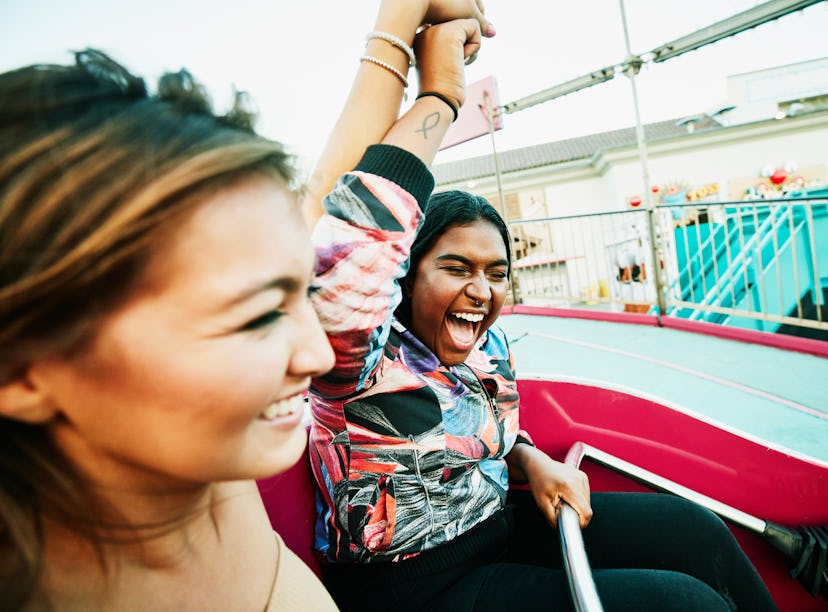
(418, 460)
(156, 336)
(415, 437)
(155, 343)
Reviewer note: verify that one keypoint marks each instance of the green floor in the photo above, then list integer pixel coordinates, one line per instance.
(761, 392)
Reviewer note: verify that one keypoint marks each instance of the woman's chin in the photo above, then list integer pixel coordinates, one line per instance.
(282, 455)
(454, 357)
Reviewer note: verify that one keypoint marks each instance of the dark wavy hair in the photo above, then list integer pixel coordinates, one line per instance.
(445, 210)
(94, 173)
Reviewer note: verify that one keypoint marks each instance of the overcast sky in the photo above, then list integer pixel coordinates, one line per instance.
(297, 57)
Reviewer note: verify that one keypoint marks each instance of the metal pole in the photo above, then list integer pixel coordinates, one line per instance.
(633, 65)
(489, 111)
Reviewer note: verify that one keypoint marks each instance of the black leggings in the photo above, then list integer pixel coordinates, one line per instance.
(647, 552)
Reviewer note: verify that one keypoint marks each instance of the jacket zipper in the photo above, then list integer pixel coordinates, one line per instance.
(425, 485)
(492, 404)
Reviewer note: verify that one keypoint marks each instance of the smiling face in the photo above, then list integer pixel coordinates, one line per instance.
(458, 289)
(199, 376)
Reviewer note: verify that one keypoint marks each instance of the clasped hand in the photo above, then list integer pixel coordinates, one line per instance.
(441, 11)
(441, 51)
(551, 482)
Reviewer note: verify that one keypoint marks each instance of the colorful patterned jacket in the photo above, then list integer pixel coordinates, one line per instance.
(407, 453)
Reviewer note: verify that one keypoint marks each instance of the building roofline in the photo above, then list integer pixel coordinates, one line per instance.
(591, 147)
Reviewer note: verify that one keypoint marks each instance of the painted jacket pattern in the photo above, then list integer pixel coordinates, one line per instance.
(407, 453)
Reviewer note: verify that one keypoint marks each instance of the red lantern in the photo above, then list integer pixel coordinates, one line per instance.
(778, 177)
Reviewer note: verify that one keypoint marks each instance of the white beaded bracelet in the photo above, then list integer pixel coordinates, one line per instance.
(387, 66)
(397, 42)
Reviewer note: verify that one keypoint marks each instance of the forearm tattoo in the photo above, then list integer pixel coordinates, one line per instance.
(430, 122)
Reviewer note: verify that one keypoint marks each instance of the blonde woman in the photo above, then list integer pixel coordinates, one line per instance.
(156, 339)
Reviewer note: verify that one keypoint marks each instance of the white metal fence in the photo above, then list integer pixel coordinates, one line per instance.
(760, 264)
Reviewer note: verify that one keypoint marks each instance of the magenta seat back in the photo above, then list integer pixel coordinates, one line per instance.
(289, 499)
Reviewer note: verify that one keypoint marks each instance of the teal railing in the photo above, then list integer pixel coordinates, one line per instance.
(760, 264)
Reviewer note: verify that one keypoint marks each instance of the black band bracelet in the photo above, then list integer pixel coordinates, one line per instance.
(440, 96)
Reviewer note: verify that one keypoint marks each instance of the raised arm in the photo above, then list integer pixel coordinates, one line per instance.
(373, 105)
(364, 240)
(441, 51)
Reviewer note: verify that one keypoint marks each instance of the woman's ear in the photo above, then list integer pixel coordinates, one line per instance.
(23, 400)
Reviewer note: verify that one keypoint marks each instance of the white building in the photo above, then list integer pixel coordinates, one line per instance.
(778, 120)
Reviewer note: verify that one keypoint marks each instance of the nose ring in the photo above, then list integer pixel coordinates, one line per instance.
(478, 303)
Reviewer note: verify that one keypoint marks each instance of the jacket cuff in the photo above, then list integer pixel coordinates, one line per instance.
(523, 437)
(401, 167)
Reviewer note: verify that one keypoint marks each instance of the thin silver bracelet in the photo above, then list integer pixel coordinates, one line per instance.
(397, 42)
(387, 66)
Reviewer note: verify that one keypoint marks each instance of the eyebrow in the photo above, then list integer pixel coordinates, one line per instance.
(286, 284)
(469, 262)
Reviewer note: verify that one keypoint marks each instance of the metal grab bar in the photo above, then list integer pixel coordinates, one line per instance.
(578, 572)
(805, 548)
(580, 450)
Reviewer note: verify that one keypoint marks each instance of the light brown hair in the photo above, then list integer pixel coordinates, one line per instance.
(94, 173)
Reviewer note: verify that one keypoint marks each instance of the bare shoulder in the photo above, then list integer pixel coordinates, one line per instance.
(296, 587)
